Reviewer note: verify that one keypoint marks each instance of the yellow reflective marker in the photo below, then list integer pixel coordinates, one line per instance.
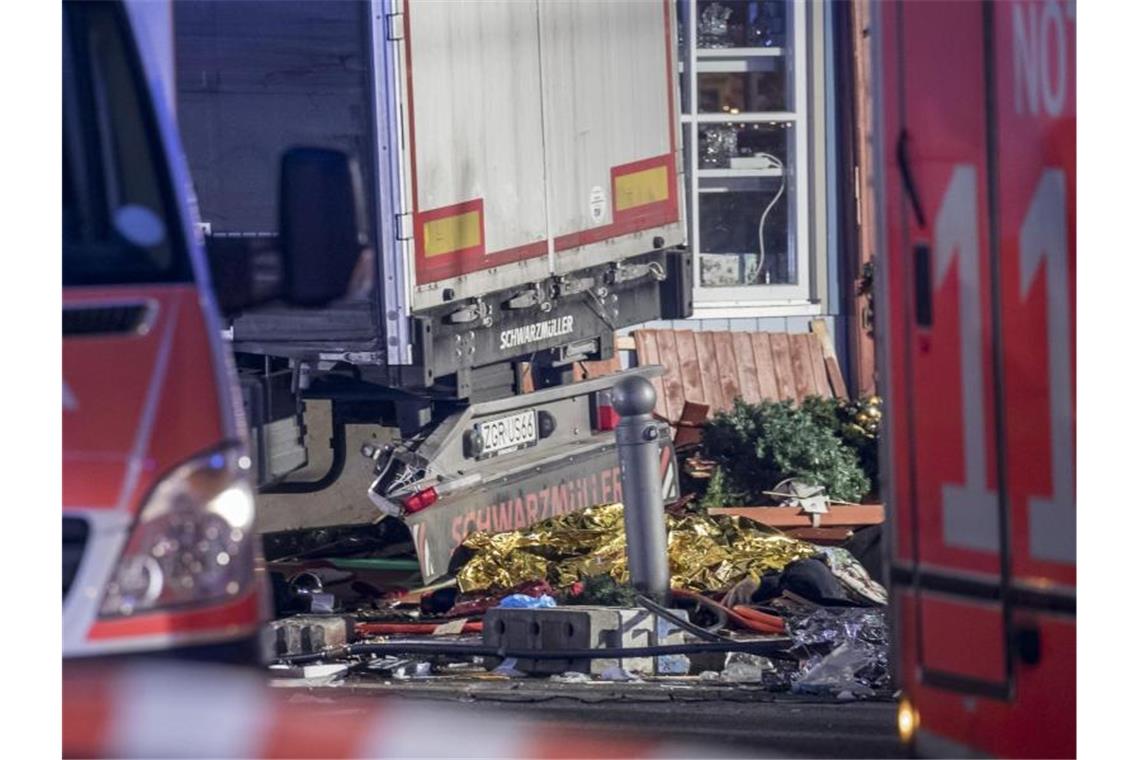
(453, 233)
(641, 188)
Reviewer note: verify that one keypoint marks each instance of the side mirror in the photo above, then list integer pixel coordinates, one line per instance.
(320, 209)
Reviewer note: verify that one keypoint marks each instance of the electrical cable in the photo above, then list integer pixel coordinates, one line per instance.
(752, 620)
(774, 648)
(771, 203)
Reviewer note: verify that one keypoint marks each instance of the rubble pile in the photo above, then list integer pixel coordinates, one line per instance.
(749, 608)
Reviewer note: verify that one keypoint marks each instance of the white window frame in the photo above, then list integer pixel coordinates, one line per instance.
(753, 300)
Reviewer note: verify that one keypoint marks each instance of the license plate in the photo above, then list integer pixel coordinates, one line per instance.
(508, 433)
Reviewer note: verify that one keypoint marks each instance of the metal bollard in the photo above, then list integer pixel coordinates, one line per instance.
(644, 510)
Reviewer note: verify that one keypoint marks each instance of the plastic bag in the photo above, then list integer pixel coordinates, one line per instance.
(523, 601)
(742, 667)
(841, 650)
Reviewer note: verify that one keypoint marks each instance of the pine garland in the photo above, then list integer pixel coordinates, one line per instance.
(759, 445)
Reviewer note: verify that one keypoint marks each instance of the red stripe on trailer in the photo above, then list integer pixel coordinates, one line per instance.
(635, 219)
(236, 614)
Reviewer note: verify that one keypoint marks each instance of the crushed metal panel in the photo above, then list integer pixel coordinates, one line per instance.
(586, 476)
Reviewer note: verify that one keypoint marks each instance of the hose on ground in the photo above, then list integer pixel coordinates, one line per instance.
(773, 648)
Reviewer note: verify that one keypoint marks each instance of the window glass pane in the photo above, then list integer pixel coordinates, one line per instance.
(136, 237)
(742, 23)
(762, 85)
(744, 202)
(733, 216)
(743, 146)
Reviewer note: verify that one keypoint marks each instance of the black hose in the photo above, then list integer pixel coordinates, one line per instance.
(775, 648)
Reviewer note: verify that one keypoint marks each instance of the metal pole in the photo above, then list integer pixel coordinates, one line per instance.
(644, 511)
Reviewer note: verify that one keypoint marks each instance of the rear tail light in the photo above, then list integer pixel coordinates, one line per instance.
(421, 500)
(605, 416)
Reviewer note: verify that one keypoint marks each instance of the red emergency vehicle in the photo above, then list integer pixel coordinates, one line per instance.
(976, 125)
(158, 545)
(158, 550)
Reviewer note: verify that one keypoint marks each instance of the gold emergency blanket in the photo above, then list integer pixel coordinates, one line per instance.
(705, 552)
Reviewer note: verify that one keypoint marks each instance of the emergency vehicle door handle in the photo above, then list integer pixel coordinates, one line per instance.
(902, 154)
(1027, 643)
(923, 305)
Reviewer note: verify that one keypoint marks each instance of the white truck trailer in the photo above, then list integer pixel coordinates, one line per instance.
(523, 180)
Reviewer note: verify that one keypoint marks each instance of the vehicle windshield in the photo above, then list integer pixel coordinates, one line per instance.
(119, 220)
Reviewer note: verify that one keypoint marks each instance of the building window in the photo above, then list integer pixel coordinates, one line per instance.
(743, 100)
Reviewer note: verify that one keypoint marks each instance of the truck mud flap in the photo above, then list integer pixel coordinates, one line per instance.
(571, 484)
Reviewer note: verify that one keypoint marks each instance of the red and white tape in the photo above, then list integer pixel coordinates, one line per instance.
(159, 710)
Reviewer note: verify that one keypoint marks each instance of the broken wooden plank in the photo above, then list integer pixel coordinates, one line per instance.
(600, 368)
(688, 365)
(830, 359)
(835, 378)
(645, 344)
(830, 535)
(689, 424)
(670, 359)
(819, 369)
(727, 365)
(748, 378)
(782, 365)
(765, 366)
(801, 365)
(812, 357)
(787, 517)
(710, 372)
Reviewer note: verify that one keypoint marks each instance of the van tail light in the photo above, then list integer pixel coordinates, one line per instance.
(605, 416)
(425, 497)
(420, 500)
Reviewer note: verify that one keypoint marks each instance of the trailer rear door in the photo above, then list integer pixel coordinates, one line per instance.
(609, 77)
(541, 139)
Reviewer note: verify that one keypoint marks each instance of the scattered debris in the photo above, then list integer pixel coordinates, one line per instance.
(841, 650)
(412, 670)
(742, 667)
(617, 673)
(522, 601)
(307, 675)
(570, 677)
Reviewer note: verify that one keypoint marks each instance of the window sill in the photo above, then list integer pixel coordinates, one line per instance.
(736, 309)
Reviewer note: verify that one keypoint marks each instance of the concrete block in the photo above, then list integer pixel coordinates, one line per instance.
(584, 628)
